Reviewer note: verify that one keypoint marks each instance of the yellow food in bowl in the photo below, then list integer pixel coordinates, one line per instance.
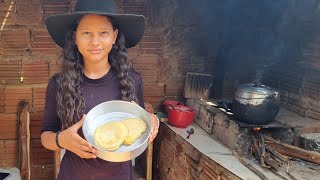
(111, 135)
(135, 127)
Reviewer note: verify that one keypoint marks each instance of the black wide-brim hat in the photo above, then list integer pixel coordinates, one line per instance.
(131, 25)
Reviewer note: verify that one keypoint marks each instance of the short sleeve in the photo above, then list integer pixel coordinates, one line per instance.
(51, 121)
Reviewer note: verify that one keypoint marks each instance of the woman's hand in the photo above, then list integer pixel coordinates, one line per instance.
(70, 139)
(155, 127)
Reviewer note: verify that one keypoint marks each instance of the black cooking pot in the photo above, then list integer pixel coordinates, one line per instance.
(255, 104)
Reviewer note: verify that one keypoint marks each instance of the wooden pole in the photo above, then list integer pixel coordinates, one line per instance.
(57, 161)
(149, 162)
(24, 140)
(149, 108)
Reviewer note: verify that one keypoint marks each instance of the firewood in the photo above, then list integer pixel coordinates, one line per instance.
(263, 145)
(280, 163)
(293, 151)
(259, 155)
(278, 174)
(272, 163)
(288, 172)
(249, 166)
(291, 176)
(276, 154)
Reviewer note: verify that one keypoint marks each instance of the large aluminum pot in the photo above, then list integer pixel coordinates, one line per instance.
(255, 104)
(114, 111)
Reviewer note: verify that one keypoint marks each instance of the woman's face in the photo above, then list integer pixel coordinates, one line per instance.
(94, 37)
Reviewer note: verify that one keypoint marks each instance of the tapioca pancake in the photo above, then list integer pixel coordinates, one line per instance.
(111, 135)
(135, 127)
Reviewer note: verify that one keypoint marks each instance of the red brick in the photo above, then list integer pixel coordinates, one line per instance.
(2, 100)
(10, 20)
(151, 39)
(43, 45)
(50, 51)
(137, 9)
(150, 91)
(147, 60)
(8, 126)
(40, 155)
(15, 42)
(56, 2)
(1, 47)
(29, 12)
(151, 45)
(42, 39)
(42, 172)
(28, 9)
(35, 72)
(13, 95)
(10, 72)
(154, 100)
(151, 51)
(23, 19)
(54, 67)
(5, 4)
(149, 79)
(133, 53)
(55, 7)
(14, 52)
(138, 67)
(174, 92)
(40, 33)
(35, 123)
(8, 153)
(39, 99)
(148, 72)
(29, 2)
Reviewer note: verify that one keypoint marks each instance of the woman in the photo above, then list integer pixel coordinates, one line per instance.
(94, 70)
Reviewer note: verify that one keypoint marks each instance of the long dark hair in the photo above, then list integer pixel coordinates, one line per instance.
(70, 103)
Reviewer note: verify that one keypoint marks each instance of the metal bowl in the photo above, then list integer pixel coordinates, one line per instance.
(115, 111)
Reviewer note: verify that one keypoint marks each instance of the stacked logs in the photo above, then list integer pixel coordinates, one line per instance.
(273, 154)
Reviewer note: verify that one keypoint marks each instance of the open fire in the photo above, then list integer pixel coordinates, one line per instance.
(279, 157)
(267, 153)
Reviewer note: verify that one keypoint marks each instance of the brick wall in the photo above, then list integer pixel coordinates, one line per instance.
(177, 159)
(298, 84)
(26, 50)
(185, 41)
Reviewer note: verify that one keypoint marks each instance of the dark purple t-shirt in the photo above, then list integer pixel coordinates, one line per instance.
(94, 91)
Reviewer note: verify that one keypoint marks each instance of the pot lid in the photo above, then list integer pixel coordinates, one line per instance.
(256, 89)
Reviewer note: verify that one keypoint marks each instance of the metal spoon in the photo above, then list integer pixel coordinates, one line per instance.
(190, 131)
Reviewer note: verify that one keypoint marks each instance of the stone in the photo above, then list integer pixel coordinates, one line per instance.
(205, 119)
(310, 141)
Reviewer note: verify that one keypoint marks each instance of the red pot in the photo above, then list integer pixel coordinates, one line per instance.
(168, 102)
(181, 116)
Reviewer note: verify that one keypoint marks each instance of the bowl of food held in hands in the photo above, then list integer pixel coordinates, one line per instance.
(119, 130)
